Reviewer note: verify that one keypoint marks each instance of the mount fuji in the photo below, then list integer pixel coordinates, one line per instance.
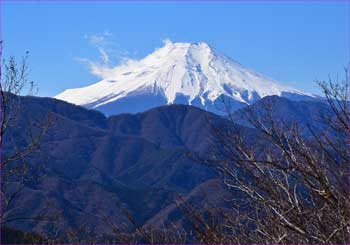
(178, 73)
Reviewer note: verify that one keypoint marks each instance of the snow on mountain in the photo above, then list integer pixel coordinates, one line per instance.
(187, 73)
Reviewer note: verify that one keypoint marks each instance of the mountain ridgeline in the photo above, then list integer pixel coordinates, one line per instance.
(178, 73)
(97, 166)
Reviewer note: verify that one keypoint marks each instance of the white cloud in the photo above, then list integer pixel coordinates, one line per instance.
(98, 38)
(96, 68)
(106, 49)
(110, 54)
(167, 41)
(104, 56)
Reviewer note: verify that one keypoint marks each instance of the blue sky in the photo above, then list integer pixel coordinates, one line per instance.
(293, 42)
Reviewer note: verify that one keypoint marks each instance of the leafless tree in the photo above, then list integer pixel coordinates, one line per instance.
(16, 172)
(291, 183)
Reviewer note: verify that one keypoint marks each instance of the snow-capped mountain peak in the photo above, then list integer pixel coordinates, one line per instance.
(190, 73)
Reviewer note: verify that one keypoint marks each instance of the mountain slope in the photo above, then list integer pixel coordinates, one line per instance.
(311, 113)
(94, 164)
(92, 167)
(181, 73)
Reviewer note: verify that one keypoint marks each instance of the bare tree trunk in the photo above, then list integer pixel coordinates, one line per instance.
(294, 188)
(14, 166)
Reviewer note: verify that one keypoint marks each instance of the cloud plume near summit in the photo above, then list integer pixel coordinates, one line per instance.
(110, 54)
